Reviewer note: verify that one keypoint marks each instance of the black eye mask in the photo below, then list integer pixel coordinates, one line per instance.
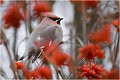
(56, 19)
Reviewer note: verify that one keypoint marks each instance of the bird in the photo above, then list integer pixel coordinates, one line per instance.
(48, 29)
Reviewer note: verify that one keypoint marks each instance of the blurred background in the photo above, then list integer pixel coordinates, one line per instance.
(71, 11)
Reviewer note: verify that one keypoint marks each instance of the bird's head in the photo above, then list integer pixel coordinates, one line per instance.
(53, 17)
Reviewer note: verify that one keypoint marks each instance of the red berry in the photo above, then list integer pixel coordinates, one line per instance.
(82, 75)
(99, 69)
(89, 77)
(87, 70)
(99, 77)
(93, 73)
(93, 65)
(79, 68)
(85, 73)
(84, 65)
(84, 69)
(90, 72)
(19, 64)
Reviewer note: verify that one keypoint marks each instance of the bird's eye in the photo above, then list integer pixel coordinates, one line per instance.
(58, 22)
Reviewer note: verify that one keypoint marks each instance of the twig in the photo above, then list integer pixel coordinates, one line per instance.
(11, 61)
(3, 74)
(27, 22)
(19, 44)
(74, 36)
(84, 23)
(117, 50)
(105, 6)
(77, 65)
(14, 45)
(114, 44)
(72, 44)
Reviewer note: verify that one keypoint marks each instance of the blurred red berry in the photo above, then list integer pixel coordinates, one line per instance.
(1, 2)
(88, 3)
(112, 74)
(45, 72)
(59, 58)
(26, 73)
(12, 17)
(91, 3)
(19, 64)
(91, 51)
(56, 56)
(75, 1)
(41, 7)
(102, 35)
(35, 73)
(116, 24)
(49, 51)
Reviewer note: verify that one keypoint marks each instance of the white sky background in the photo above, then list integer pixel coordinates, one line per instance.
(63, 9)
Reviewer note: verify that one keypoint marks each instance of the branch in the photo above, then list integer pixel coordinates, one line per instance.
(14, 44)
(74, 71)
(11, 61)
(84, 23)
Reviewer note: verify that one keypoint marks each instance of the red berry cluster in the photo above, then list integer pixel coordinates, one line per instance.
(12, 16)
(42, 72)
(90, 71)
(91, 51)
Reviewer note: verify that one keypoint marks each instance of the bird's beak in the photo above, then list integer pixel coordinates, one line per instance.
(58, 21)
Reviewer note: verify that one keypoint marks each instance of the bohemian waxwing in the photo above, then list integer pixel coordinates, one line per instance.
(49, 28)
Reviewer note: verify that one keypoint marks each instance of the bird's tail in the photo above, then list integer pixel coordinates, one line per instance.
(36, 55)
(24, 55)
(22, 58)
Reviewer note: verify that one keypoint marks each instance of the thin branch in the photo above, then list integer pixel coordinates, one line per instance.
(105, 5)
(11, 61)
(74, 71)
(114, 44)
(3, 74)
(84, 23)
(72, 44)
(19, 44)
(117, 49)
(14, 45)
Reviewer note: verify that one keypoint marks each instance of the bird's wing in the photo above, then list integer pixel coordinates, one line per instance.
(44, 34)
(49, 31)
(58, 35)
